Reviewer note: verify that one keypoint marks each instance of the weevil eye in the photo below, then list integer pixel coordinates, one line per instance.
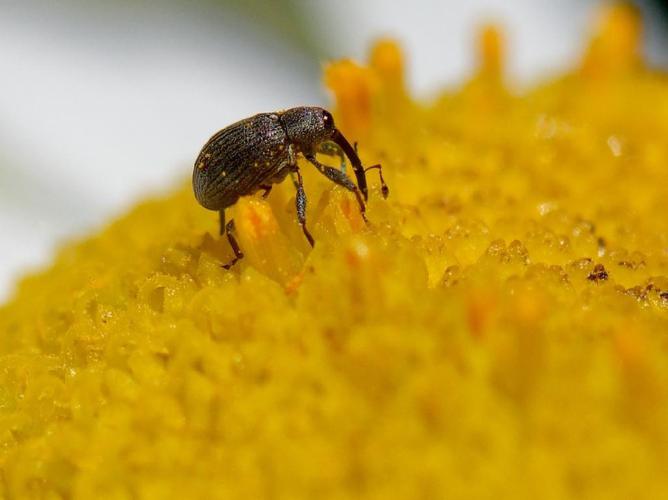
(327, 120)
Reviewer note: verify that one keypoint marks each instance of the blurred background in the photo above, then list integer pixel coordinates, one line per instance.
(102, 103)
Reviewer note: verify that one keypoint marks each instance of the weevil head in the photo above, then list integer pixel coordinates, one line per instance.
(308, 126)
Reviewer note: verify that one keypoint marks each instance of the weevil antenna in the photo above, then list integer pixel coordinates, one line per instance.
(383, 187)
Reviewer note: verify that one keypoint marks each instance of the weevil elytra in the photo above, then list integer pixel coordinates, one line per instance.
(255, 153)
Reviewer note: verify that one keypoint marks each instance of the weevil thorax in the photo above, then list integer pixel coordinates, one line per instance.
(307, 127)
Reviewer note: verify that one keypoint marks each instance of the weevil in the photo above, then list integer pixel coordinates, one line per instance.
(255, 153)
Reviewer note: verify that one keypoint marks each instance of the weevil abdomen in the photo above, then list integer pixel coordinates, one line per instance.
(240, 158)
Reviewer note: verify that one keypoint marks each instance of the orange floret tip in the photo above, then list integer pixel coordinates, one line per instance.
(616, 44)
(629, 347)
(353, 87)
(265, 246)
(387, 61)
(340, 215)
(480, 309)
(491, 51)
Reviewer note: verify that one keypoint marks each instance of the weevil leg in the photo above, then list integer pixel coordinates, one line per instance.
(341, 179)
(267, 189)
(300, 202)
(221, 218)
(333, 149)
(238, 254)
(229, 229)
(355, 161)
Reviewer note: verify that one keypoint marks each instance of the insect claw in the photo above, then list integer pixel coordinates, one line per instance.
(308, 236)
(231, 263)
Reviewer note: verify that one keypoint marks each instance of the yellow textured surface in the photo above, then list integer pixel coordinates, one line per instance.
(499, 330)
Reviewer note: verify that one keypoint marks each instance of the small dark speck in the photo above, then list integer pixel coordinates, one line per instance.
(598, 274)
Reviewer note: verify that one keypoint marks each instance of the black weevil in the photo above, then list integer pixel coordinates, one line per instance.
(254, 153)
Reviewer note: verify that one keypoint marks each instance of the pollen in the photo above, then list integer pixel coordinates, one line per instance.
(497, 330)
